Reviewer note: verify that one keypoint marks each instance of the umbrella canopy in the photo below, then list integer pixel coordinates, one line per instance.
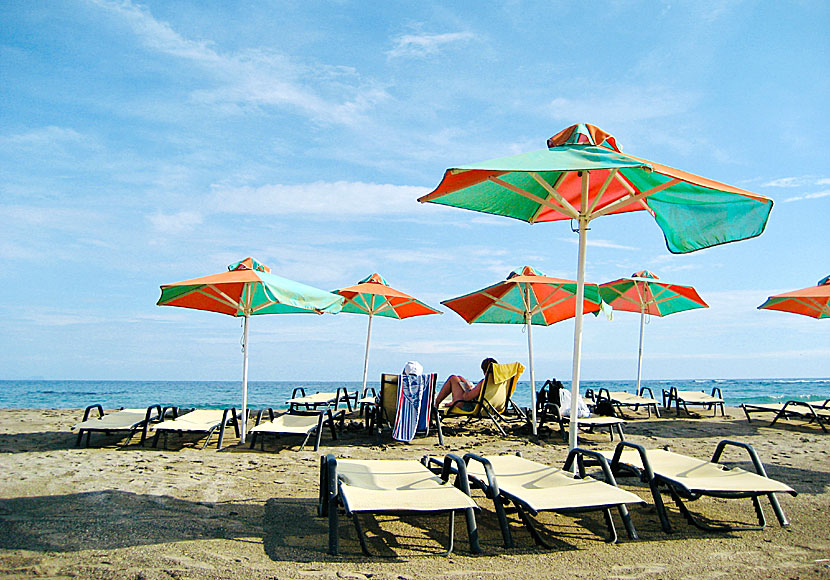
(813, 301)
(373, 296)
(248, 288)
(525, 297)
(645, 293)
(583, 175)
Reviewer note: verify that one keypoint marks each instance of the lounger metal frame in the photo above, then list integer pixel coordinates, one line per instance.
(552, 411)
(680, 492)
(501, 498)
(482, 407)
(789, 410)
(605, 394)
(330, 500)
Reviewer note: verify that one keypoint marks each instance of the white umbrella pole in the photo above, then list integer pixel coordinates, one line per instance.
(580, 301)
(640, 355)
(366, 358)
(532, 377)
(244, 381)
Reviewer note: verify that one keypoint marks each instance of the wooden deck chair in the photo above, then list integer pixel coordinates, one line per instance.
(393, 486)
(620, 399)
(129, 420)
(533, 487)
(688, 478)
(494, 398)
(200, 421)
(816, 411)
(685, 398)
(386, 407)
(295, 422)
(552, 412)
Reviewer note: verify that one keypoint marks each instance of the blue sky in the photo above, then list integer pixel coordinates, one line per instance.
(146, 143)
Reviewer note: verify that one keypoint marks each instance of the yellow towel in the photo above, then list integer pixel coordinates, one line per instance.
(504, 372)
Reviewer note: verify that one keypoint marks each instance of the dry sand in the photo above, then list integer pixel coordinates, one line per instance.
(119, 510)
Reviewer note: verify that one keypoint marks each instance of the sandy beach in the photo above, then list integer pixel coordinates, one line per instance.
(120, 510)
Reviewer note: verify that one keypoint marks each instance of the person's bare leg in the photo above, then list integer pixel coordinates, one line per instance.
(451, 385)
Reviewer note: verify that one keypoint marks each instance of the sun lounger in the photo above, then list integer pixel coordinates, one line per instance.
(552, 412)
(392, 486)
(295, 422)
(685, 398)
(123, 420)
(299, 399)
(818, 411)
(200, 421)
(619, 399)
(534, 487)
(688, 478)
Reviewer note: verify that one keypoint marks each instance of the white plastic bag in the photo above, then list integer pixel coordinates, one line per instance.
(582, 410)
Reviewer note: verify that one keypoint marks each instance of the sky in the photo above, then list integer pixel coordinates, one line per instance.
(147, 143)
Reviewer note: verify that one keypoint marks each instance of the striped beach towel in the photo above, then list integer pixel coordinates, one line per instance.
(414, 398)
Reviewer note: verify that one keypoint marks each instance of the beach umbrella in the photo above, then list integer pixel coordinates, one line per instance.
(812, 301)
(248, 288)
(526, 297)
(645, 293)
(374, 297)
(583, 175)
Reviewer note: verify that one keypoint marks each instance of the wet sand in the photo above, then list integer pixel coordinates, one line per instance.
(121, 510)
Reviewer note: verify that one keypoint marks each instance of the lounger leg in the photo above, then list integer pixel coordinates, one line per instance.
(505, 527)
(360, 536)
(661, 508)
(612, 530)
(331, 501)
(221, 436)
(759, 511)
(779, 513)
(629, 525)
(451, 534)
(531, 527)
(472, 530)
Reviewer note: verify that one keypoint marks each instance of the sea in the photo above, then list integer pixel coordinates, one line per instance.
(57, 394)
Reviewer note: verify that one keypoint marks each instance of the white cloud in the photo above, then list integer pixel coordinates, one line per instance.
(256, 77)
(43, 136)
(339, 199)
(423, 45)
(817, 195)
(799, 181)
(177, 223)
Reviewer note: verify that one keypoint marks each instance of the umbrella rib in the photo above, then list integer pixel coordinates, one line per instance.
(499, 303)
(564, 204)
(227, 299)
(611, 175)
(622, 202)
(541, 207)
(361, 307)
(530, 196)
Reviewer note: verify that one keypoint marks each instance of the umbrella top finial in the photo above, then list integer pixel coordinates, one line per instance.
(374, 279)
(249, 264)
(645, 274)
(584, 134)
(524, 271)
(824, 281)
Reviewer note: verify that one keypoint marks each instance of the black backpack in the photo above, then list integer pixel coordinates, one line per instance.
(549, 394)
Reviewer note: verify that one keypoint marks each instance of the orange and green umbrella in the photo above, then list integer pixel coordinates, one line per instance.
(583, 175)
(645, 293)
(374, 297)
(813, 301)
(526, 297)
(247, 289)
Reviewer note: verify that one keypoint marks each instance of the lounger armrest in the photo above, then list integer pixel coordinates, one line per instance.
(149, 415)
(647, 474)
(298, 392)
(717, 390)
(492, 491)
(603, 393)
(644, 389)
(455, 464)
(89, 409)
(262, 412)
(172, 409)
(756, 461)
(578, 453)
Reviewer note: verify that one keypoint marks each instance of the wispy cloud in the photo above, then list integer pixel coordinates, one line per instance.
(255, 77)
(817, 195)
(426, 45)
(612, 105)
(339, 198)
(177, 223)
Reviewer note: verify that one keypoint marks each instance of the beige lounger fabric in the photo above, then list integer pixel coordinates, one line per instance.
(288, 423)
(697, 398)
(377, 485)
(119, 420)
(630, 399)
(548, 488)
(197, 420)
(698, 474)
(315, 399)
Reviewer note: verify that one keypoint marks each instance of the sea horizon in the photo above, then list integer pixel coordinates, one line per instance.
(110, 393)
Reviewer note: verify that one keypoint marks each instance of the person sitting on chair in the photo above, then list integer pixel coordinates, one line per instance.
(462, 389)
